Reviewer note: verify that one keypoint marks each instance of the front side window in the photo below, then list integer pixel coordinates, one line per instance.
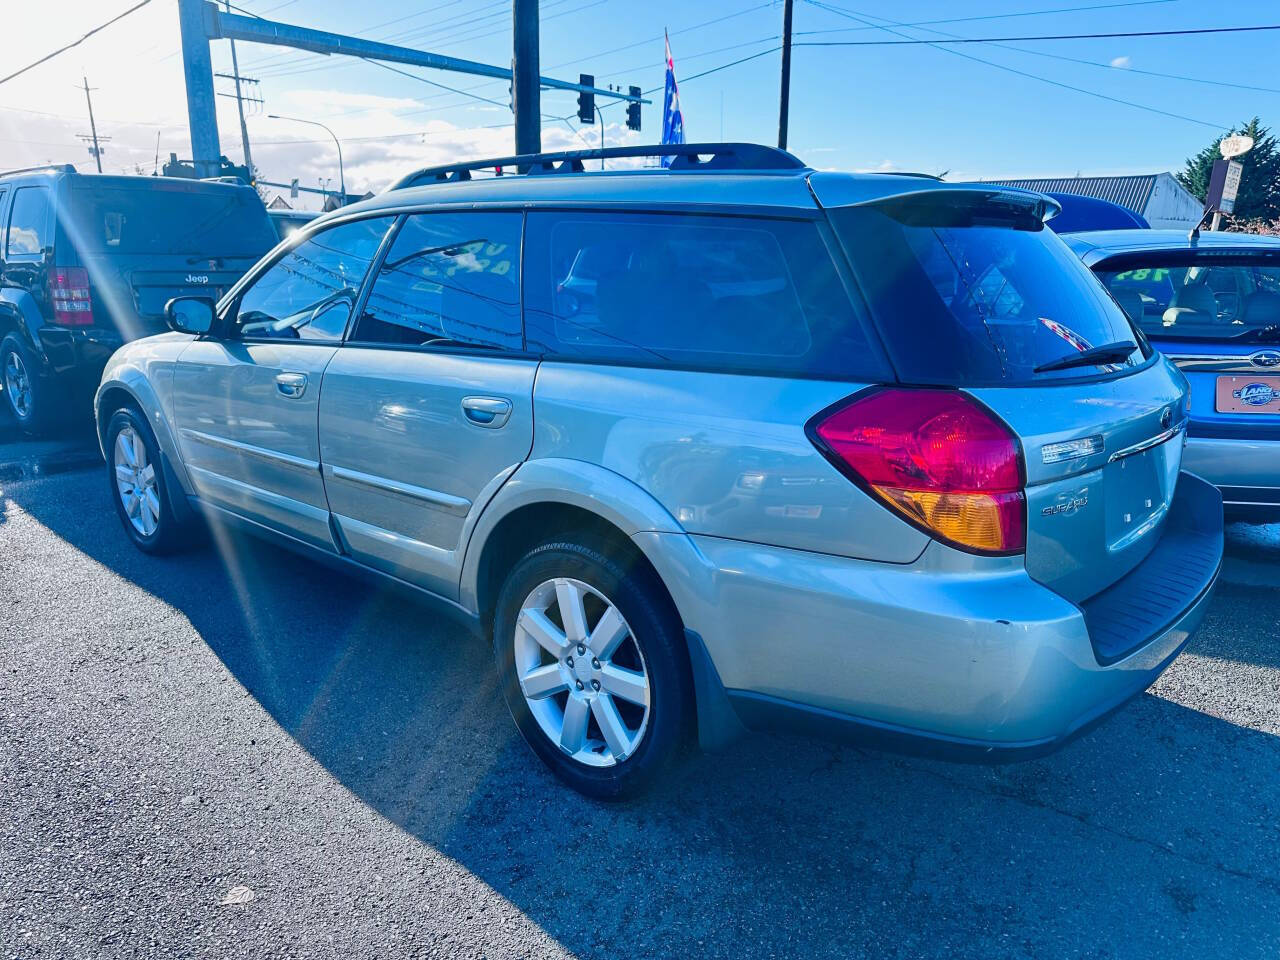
(1201, 296)
(449, 279)
(969, 290)
(725, 293)
(310, 292)
(29, 222)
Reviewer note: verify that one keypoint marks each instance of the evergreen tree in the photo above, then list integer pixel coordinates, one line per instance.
(1259, 196)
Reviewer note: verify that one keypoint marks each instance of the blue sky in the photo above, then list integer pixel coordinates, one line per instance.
(853, 107)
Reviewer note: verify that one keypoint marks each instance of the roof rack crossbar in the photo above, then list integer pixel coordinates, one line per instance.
(52, 167)
(685, 156)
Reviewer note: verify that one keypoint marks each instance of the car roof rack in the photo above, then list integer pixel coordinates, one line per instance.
(51, 167)
(721, 157)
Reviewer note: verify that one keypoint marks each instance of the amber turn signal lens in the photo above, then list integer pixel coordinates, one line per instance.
(982, 521)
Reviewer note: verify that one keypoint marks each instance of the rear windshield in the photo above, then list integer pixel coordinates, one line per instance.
(150, 219)
(975, 295)
(1209, 297)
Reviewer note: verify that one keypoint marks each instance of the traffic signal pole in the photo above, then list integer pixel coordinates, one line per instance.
(526, 87)
(784, 104)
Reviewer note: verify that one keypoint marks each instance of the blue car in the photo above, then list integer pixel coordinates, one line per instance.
(1212, 306)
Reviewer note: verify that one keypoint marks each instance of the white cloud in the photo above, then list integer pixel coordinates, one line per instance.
(1121, 62)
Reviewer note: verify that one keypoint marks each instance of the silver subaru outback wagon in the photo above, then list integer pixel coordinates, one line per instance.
(734, 445)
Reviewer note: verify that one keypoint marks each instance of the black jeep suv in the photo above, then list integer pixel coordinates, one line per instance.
(87, 262)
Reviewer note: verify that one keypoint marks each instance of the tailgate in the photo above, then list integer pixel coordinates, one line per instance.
(1102, 463)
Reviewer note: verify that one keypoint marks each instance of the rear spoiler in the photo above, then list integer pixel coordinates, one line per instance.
(969, 207)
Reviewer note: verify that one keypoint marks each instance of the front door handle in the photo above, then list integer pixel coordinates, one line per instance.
(291, 385)
(492, 412)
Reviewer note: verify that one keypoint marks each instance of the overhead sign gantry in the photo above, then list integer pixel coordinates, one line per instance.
(201, 21)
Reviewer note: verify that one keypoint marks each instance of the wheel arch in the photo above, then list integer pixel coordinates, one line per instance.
(544, 498)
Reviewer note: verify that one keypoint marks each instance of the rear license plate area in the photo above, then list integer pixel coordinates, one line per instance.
(1247, 394)
(1135, 492)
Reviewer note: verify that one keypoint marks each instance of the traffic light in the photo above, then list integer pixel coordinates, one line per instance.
(586, 101)
(633, 109)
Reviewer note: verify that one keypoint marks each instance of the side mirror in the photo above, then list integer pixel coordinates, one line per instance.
(190, 315)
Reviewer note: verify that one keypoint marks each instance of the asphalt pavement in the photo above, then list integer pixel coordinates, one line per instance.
(174, 729)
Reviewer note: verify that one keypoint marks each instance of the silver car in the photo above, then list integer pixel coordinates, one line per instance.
(872, 456)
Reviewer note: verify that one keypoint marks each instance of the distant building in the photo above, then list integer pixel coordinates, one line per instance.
(1157, 197)
(279, 203)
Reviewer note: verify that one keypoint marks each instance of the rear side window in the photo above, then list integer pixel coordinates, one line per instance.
(29, 222)
(963, 298)
(722, 293)
(450, 279)
(160, 218)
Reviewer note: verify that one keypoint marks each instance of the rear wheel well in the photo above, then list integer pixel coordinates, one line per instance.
(526, 527)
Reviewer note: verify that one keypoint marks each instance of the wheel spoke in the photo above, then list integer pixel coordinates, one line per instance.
(611, 725)
(139, 450)
(610, 631)
(572, 615)
(542, 682)
(630, 685)
(536, 624)
(147, 475)
(152, 504)
(124, 474)
(124, 450)
(574, 731)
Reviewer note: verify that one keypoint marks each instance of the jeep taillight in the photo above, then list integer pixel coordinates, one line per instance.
(936, 457)
(69, 291)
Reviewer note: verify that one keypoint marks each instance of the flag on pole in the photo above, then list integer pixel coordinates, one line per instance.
(672, 117)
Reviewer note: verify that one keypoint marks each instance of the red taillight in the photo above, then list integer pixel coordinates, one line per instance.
(69, 291)
(937, 457)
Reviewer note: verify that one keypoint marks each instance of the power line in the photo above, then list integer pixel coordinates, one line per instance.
(75, 43)
(994, 16)
(1078, 60)
(1188, 31)
(936, 44)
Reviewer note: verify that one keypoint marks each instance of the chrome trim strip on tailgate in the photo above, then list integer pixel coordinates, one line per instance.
(273, 456)
(1147, 444)
(445, 501)
(1219, 363)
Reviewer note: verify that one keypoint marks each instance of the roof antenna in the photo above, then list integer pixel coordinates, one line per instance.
(1194, 236)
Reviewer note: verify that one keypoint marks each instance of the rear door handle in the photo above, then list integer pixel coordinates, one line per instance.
(291, 385)
(492, 412)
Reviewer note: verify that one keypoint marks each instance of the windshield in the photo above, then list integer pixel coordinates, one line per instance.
(150, 219)
(1209, 297)
(961, 302)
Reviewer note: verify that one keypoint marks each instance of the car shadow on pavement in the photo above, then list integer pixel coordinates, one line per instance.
(1154, 835)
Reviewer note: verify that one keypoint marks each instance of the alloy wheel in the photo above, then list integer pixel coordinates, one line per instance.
(136, 482)
(581, 672)
(17, 384)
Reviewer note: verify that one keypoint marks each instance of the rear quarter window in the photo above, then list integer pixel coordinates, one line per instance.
(962, 302)
(28, 232)
(705, 292)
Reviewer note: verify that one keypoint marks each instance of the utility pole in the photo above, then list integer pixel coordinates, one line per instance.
(244, 130)
(784, 105)
(93, 129)
(198, 67)
(526, 87)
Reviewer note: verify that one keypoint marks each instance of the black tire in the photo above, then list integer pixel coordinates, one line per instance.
(632, 587)
(40, 410)
(170, 533)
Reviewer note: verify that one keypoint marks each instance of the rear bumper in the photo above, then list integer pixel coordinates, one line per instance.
(977, 664)
(78, 354)
(1246, 470)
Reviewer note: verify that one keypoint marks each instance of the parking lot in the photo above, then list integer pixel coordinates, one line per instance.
(173, 728)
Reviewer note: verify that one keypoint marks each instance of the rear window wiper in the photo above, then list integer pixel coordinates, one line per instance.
(1094, 356)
